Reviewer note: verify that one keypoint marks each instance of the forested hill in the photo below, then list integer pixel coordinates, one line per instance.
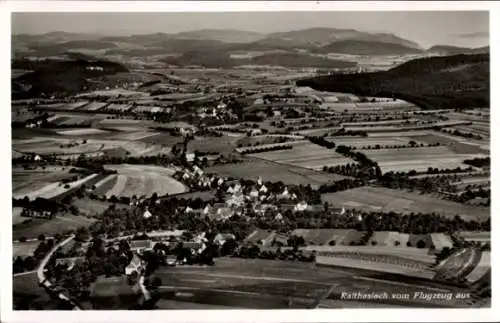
(459, 81)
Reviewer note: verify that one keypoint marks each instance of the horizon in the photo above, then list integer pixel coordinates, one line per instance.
(454, 28)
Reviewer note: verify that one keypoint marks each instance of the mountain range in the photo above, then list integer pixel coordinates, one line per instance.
(313, 40)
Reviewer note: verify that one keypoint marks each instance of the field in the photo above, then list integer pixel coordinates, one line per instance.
(53, 190)
(94, 106)
(25, 181)
(360, 142)
(28, 295)
(267, 284)
(273, 172)
(89, 207)
(306, 155)
(142, 180)
(114, 293)
(419, 159)
(59, 224)
(24, 249)
(383, 199)
(81, 132)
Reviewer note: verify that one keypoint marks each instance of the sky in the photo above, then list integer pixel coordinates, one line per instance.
(461, 28)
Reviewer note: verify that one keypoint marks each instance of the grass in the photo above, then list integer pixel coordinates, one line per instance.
(28, 295)
(324, 236)
(114, 293)
(90, 207)
(58, 224)
(252, 168)
(24, 249)
(383, 199)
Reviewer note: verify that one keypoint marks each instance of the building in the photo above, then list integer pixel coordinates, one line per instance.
(139, 246)
(135, 265)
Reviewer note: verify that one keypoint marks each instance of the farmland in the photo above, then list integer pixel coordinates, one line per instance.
(26, 181)
(419, 159)
(269, 171)
(141, 180)
(382, 199)
(305, 155)
(59, 224)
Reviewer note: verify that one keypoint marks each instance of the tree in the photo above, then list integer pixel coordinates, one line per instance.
(421, 244)
(41, 237)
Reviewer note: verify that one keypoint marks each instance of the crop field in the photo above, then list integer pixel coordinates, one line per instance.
(360, 142)
(26, 181)
(34, 227)
(145, 108)
(72, 119)
(119, 107)
(273, 172)
(384, 199)
(306, 155)
(94, 106)
(223, 145)
(61, 146)
(82, 132)
(143, 180)
(419, 159)
(118, 122)
(54, 189)
(133, 136)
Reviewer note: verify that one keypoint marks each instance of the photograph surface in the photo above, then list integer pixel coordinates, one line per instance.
(250, 160)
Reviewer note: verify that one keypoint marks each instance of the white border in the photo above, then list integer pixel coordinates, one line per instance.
(357, 315)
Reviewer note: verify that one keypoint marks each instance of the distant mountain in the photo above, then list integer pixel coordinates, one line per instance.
(432, 82)
(455, 50)
(358, 47)
(222, 35)
(324, 36)
(143, 40)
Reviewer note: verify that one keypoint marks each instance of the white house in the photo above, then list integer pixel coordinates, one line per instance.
(147, 214)
(301, 206)
(263, 189)
(38, 158)
(254, 193)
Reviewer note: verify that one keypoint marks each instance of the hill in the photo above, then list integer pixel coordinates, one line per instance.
(222, 35)
(324, 36)
(369, 48)
(57, 77)
(457, 81)
(455, 50)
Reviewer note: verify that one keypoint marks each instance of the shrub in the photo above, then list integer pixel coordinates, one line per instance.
(421, 244)
(408, 244)
(22, 239)
(397, 243)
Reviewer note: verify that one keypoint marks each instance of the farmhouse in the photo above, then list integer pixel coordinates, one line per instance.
(221, 238)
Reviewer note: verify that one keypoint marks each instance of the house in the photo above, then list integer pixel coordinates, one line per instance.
(254, 193)
(221, 238)
(224, 213)
(190, 157)
(301, 206)
(38, 158)
(139, 246)
(197, 171)
(207, 210)
(147, 214)
(263, 189)
(188, 210)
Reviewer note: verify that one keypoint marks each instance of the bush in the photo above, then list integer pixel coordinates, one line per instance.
(397, 243)
(41, 237)
(408, 244)
(374, 243)
(332, 243)
(22, 239)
